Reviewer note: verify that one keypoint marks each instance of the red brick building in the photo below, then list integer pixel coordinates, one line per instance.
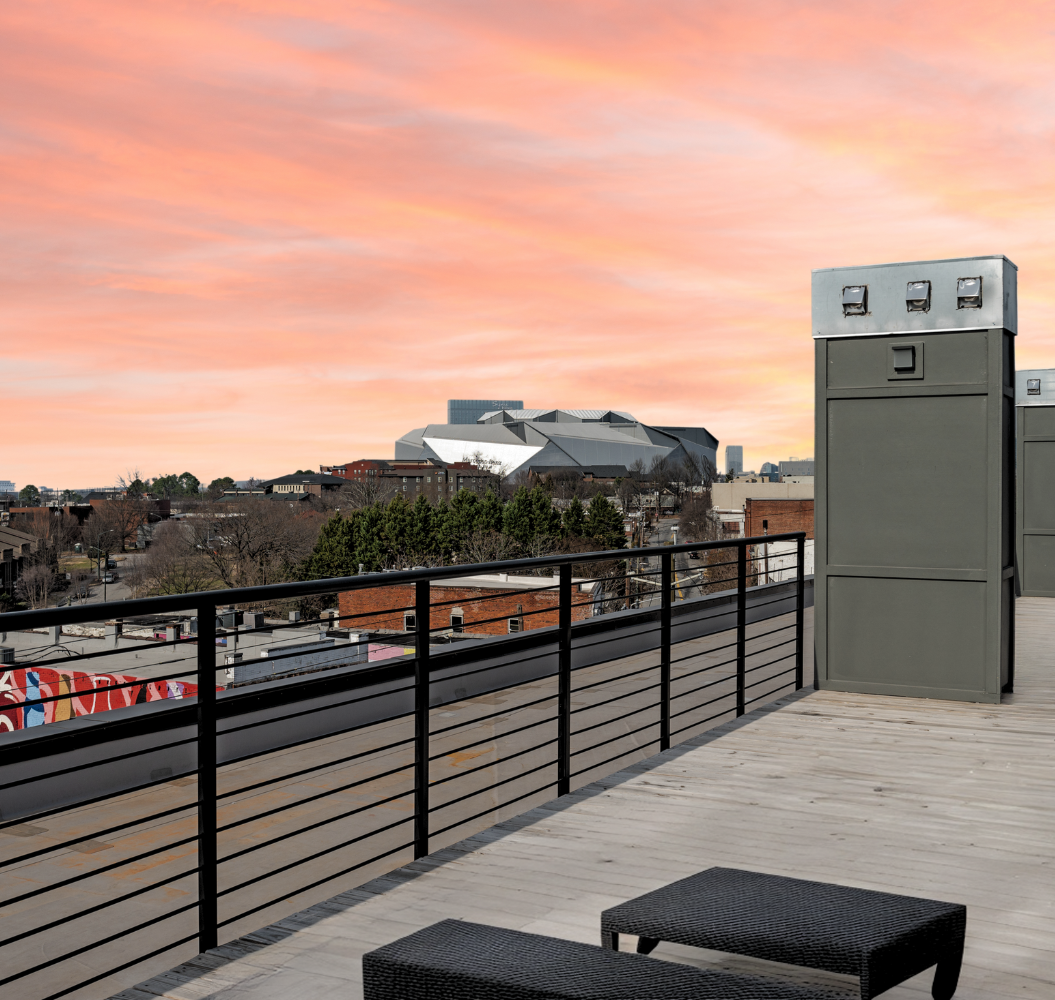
(774, 517)
(411, 477)
(485, 605)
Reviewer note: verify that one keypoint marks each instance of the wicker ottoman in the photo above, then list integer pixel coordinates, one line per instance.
(458, 960)
(881, 938)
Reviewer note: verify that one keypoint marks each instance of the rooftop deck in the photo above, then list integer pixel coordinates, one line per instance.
(942, 799)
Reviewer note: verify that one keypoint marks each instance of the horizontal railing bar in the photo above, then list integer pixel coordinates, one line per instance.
(593, 767)
(492, 787)
(314, 826)
(608, 701)
(16, 620)
(704, 704)
(97, 833)
(491, 809)
(493, 763)
(618, 718)
(120, 968)
(313, 798)
(96, 763)
(311, 739)
(759, 652)
(537, 653)
(270, 873)
(315, 767)
(97, 944)
(699, 670)
(493, 737)
(81, 876)
(47, 699)
(703, 722)
(311, 711)
(702, 652)
(96, 908)
(705, 685)
(614, 680)
(768, 663)
(313, 885)
(493, 715)
(618, 736)
(771, 677)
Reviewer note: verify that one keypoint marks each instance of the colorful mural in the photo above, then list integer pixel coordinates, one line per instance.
(35, 697)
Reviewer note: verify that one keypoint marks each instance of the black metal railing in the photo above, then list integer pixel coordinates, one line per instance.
(252, 802)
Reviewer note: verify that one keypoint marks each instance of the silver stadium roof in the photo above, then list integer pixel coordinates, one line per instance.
(509, 441)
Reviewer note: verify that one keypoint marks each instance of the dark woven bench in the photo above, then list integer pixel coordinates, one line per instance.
(882, 938)
(458, 960)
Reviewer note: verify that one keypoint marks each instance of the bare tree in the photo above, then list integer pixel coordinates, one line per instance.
(256, 541)
(103, 532)
(357, 494)
(489, 546)
(174, 565)
(81, 585)
(35, 585)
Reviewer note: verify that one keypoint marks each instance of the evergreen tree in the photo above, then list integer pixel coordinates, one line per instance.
(462, 513)
(396, 531)
(423, 543)
(490, 513)
(441, 526)
(368, 533)
(334, 552)
(545, 518)
(605, 523)
(517, 519)
(574, 520)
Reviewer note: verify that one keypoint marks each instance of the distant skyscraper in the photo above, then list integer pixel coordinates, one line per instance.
(734, 458)
(6, 486)
(468, 411)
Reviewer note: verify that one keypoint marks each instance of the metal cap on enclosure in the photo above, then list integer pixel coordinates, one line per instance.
(1035, 387)
(930, 296)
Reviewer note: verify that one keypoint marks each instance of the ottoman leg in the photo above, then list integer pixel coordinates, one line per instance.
(645, 946)
(947, 974)
(610, 940)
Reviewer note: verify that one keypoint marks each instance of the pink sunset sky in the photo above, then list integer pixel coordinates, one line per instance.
(241, 238)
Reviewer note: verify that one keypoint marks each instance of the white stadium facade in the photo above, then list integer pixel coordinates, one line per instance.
(603, 442)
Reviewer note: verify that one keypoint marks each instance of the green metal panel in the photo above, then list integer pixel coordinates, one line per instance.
(914, 480)
(1035, 541)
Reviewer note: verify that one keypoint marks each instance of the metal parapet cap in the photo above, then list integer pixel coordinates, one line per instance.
(1035, 387)
(928, 296)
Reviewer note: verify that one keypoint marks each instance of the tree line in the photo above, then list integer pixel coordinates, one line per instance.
(467, 529)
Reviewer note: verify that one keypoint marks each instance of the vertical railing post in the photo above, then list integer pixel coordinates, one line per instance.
(800, 595)
(207, 850)
(422, 630)
(741, 626)
(666, 560)
(564, 683)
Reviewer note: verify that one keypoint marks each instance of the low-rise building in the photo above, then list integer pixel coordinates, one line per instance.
(303, 484)
(496, 604)
(15, 548)
(414, 477)
(728, 500)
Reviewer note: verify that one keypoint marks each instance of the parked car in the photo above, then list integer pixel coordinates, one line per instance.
(110, 578)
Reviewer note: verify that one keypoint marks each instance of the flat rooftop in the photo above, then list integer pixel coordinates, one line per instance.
(940, 799)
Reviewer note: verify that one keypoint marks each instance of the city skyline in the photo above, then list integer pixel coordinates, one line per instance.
(240, 238)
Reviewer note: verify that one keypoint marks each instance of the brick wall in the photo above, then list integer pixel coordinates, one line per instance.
(384, 607)
(780, 516)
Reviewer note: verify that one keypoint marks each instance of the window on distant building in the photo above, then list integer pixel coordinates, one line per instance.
(457, 620)
(410, 621)
(404, 479)
(428, 479)
(516, 624)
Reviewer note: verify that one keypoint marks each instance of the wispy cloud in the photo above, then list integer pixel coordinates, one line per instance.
(246, 236)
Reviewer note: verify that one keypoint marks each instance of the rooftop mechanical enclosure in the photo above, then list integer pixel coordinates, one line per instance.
(1035, 513)
(914, 477)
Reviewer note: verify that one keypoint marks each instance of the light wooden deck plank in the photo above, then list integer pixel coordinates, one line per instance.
(941, 799)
